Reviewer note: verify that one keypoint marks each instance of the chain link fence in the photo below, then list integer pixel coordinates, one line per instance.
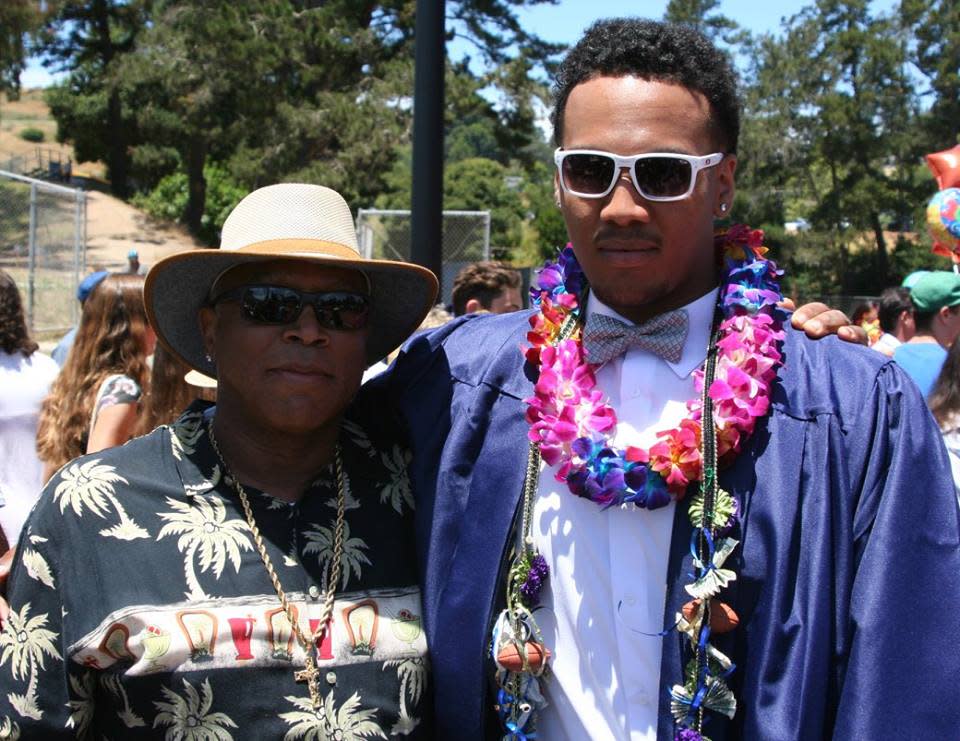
(42, 162)
(385, 235)
(43, 247)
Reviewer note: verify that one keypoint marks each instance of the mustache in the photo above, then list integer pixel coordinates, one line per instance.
(637, 233)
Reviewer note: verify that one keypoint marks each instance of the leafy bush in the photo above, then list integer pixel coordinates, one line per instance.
(32, 134)
(168, 201)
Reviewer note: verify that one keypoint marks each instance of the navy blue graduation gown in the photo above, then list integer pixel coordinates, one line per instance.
(848, 570)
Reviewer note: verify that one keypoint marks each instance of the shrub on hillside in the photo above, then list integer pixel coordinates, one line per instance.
(168, 200)
(32, 134)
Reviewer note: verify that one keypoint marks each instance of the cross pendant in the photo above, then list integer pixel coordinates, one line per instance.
(311, 675)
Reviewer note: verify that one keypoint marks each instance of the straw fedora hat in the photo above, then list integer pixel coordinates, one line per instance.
(289, 221)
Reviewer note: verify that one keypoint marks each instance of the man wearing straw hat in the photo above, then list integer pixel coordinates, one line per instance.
(249, 571)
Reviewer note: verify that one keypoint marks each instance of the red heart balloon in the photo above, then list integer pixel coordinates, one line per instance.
(946, 167)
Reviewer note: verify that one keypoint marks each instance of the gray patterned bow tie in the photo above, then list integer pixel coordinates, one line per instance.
(605, 337)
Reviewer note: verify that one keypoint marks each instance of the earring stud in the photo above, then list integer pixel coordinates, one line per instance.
(723, 208)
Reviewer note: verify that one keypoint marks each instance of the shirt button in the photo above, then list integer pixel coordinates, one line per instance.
(630, 599)
(314, 592)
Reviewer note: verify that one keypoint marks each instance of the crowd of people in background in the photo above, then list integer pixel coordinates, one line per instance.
(104, 382)
(919, 322)
(94, 402)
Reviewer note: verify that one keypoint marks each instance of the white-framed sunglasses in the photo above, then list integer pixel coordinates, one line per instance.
(657, 176)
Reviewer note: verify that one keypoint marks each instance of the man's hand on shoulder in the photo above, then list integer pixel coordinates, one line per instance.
(818, 320)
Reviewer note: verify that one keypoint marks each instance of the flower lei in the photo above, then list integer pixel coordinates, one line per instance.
(570, 423)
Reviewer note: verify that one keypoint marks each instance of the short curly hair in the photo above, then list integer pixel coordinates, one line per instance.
(651, 50)
(14, 335)
(483, 281)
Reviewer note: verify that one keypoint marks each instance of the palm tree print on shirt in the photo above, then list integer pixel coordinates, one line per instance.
(81, 703)
(189, 717)
(412, 673)
(348, 723)
(397, 491)
(320, 541)
(37, 567)
(25, 641)
(185, 433)
(112, 683)
(88, 484)
(9, 729)
(204, 529)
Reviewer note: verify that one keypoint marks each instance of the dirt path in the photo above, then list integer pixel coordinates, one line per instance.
(115, 227)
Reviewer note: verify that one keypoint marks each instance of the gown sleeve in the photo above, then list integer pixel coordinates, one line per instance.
(900, 676)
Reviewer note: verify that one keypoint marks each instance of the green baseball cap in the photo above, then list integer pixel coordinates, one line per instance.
(934, 290)
(911, 279)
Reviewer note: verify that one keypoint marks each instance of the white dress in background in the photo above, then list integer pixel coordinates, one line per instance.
(24, 382)
(951, 437)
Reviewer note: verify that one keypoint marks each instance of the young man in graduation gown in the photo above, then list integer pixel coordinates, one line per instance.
(840, 563)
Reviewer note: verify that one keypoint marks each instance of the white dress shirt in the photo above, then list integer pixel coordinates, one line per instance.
(604, 599)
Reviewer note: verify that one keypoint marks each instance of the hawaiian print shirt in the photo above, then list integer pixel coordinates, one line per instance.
(140, 606)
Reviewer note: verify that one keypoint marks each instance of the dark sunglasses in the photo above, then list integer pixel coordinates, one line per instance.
(282, 305)
(657, 176)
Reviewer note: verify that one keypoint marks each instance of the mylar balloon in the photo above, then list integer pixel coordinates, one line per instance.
(943, 221)
(946, 167)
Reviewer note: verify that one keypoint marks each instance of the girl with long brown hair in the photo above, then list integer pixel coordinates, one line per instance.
(169, 393)
(94, 402)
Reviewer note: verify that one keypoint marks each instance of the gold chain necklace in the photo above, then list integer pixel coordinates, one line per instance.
(310, 673)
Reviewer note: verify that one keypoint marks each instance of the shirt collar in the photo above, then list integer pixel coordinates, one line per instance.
(700, 316)
(193, 455)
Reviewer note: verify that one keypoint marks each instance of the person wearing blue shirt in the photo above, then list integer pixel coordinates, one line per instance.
(84, 289)
(936, 296)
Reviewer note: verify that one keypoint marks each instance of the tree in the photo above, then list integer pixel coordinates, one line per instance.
(830, 127)
(472, 184)
(202, 72)
(550, 230)
(935, 28)
(270, 90)
(18, 18)
(86, 38)
(700, 14)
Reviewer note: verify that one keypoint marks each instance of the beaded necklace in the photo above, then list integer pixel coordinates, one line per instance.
(570, 425)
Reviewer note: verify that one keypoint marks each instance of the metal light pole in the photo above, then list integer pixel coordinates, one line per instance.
(428, 106)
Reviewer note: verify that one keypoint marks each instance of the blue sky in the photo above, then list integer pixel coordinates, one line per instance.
(565, 22)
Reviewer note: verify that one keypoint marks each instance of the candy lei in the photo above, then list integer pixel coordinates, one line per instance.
(570, 427)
